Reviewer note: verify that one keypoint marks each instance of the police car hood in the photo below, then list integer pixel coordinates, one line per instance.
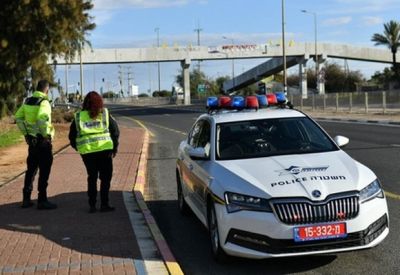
(295, 175)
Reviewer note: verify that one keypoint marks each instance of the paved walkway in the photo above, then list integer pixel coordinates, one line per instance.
(69, 240)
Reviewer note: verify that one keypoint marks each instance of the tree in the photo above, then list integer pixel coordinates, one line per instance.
(391, 39)
(336, 79)
(382, 78)
(214, 87)
(32, 32)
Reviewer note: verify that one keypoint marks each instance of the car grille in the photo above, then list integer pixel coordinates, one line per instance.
(302, 211)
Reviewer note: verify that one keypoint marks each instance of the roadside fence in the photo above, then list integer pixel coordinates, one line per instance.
(360, 102)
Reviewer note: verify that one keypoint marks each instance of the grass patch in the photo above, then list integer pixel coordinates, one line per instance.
(9, 136)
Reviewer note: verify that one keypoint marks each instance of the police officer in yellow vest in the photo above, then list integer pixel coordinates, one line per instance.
(94, 134)
(34, 121)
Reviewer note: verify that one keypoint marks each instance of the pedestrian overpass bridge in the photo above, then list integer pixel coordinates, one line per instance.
(297, 53)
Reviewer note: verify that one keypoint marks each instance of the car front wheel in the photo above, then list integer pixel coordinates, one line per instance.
(218, 252)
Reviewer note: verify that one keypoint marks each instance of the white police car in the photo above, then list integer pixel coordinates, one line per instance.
(269, 182)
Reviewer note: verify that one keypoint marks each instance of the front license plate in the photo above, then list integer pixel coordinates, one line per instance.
(319, 232)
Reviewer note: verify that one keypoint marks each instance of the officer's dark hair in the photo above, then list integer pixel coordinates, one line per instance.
(42, 84)
(93, 103)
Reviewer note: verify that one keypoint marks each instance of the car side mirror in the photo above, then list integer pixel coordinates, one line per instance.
(341, 141)
(197, 153)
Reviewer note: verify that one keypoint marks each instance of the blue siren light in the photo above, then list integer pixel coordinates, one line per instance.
(212, 102)
(238, 102)
(280, 97)
(262, 101)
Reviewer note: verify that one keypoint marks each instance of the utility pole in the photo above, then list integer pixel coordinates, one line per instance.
(94, 77)
(129, 80)
(121, 78)
(66, 79)
(198, 30)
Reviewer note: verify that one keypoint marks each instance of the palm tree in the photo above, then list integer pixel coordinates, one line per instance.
(391, 39)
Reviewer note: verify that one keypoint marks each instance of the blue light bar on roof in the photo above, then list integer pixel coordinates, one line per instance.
(262, 101)
(238, 102)
(212, 102)
(280, 97)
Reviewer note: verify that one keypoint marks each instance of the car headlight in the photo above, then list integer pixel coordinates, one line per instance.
(237, 202)
(373, 190)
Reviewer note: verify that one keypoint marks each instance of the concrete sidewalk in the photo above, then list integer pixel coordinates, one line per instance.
(69, 239)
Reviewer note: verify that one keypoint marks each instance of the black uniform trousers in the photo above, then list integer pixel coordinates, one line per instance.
(98, 165)
(40, 157)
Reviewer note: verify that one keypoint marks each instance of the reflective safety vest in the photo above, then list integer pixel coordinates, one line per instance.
(92, 134)
(34, 116)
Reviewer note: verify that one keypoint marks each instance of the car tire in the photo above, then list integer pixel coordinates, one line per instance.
(182, 205)
(219, 254)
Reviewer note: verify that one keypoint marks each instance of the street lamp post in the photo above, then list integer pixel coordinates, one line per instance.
(233, 63)
(81, 69)
(315, 44)
(157, 30)
(284, 48)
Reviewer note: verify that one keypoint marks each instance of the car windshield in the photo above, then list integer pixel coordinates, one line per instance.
(270, 137)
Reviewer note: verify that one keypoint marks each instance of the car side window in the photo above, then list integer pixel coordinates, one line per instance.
(195, 134)
(205, 135)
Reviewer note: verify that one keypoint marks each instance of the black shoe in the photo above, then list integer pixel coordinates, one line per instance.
(27, 204)
(46, 205)
(106, 208)
(92, 209)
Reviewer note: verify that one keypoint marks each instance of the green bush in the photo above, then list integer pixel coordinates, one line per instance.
(10, 136)
(60, 115)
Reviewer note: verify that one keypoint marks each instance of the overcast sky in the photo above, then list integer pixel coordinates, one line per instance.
(132, 23)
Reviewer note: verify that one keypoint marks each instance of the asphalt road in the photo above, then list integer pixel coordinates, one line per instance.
(376, 146)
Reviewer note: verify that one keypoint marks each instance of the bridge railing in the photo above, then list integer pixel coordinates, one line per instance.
(362, 102)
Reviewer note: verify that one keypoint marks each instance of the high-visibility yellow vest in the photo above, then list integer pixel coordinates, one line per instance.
(92, 134)
(34, 116)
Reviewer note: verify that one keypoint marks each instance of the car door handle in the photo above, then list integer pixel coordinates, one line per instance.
(190, 166)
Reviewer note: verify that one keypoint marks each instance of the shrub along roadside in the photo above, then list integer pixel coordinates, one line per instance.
(10, 134)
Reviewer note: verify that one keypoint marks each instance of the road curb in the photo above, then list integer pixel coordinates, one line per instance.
(138, 190)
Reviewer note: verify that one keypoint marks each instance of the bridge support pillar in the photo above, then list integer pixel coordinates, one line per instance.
(321, 75)
(303, 76)
(186, 80)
